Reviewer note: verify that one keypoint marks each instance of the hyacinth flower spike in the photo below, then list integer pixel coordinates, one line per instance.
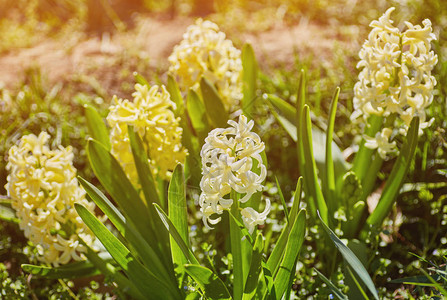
(227, 161)
(395, 81)
(206, 52)
(43, 188)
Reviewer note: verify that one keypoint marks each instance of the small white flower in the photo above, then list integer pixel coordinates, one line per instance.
(381, 142)
(228, 158)
(252, 218)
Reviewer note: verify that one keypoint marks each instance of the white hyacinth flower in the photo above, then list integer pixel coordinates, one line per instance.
(396, 76)
(228, 157)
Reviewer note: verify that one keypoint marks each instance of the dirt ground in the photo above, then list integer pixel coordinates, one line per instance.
(61, 59)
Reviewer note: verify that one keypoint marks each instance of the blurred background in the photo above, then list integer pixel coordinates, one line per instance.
(57, 55)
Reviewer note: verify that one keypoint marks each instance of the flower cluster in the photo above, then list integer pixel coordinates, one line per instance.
(205, 51)
(228, 158)
(152, 118)
(396, 76)
(43, 188)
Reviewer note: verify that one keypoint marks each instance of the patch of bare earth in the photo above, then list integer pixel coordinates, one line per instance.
(65, 59)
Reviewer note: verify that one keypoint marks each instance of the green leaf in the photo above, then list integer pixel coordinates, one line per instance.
(332, 286)
(362, 159)
(215, 108)
(255, 269)
(284, 113)
(114, 180)
(287, 116)
(310, 168)
(209, 282)
(8, 214)
(396, 177)
(143, 169)
(109, 172)
(178, 214)
(416, 280)
(147, 254)
(71, 271)
(176, 235)
(277, 253)
(104, 204)
(352, 261)
(113, 273)
(140, 79)
(249, 77)
(96, 126)
(269, 282)
(148, 284)
(283, 202)
(293, 247)
(197, 114)
(176, 96)
(330, 174)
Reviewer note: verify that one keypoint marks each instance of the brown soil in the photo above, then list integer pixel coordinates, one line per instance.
(61, 59)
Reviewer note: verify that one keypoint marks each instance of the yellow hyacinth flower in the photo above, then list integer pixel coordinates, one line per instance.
(152, 117)
(43, 188)
(396, 76)
(228, 156)
(205, 51)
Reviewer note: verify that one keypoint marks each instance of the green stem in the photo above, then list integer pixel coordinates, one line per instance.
(363, 157)
(236, 250)
(370, 178)
(367, 187)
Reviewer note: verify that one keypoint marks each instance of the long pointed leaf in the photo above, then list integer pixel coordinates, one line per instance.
(285, 114)
(176, 235)
(353, 262)
(330, 174)
(178, 214)
(197, 114)
(176, 96)
(213, 103)
(396, 177)
(146, 281)
(293, 247)
(112, 177)
(277, 253)
(143, 169)
(140, 79)
(70, 271)
(113, 273)
(255, 269)
(249, 78)
(332, 286)
(126, 229)
(209, 282)
(96, 126)
(283, 202)
(310, 172)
